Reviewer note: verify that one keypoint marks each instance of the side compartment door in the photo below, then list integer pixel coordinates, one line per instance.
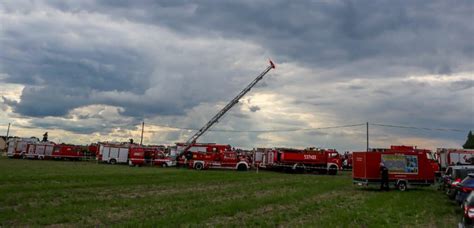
(114, 153)
(123, 155)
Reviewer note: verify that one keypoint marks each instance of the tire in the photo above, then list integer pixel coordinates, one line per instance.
(332, 170)
(402, 186)
(198, 166)
(113, 161)
(164, 165)
(242, 167)
(466, 221)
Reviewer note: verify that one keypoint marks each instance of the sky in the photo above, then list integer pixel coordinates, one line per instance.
(88, 71)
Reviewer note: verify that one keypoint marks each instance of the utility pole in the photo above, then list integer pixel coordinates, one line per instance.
(367, 136)
(143, 127)
(8, 130)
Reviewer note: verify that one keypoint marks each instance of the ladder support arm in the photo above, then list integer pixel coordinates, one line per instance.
(192, 140)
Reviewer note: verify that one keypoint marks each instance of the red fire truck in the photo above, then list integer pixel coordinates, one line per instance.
(40, 150)
(17, 147)
(32, 148)
(447, 157)
(312, 159)
(125, 153)
(153, 156)
(212, 156)
(222, 159)
(406, 165)
(68, 152)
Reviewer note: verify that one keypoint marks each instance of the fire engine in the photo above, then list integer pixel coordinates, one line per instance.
(311, 159)
(17, 147)
(69, 152)
(40, 150)
(213, 156)
(217, 159)
(32, 148)
(120, 153)
(447, 157)
(153, 156)
(407, 165)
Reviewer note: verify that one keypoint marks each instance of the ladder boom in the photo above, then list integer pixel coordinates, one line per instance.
(231, 104)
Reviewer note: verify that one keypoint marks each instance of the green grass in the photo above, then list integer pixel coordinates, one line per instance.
(37, 193)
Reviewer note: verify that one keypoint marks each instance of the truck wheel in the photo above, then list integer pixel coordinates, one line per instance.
(466, 221)
(198, 166)
(113, 162)
(332, 170)
(164, 165)
(402, 186)
(242, 167)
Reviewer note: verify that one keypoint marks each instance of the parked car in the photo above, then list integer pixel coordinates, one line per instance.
(464, 188)
(452, 177)
(468, 209)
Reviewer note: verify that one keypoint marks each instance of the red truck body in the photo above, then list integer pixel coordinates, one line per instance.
(40, 150)
(213, 156)
(121, 153)
(34, 149)
(70, 152)
(151, 155)
(17, 147)
(406, 166)
(320, 160)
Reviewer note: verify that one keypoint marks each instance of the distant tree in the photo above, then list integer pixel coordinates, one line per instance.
(469, 142)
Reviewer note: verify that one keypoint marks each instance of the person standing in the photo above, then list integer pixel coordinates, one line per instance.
(384, 177)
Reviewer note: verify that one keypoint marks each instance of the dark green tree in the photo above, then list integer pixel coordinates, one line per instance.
(469, 142)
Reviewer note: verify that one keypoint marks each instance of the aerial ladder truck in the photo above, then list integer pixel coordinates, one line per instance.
(193, 139)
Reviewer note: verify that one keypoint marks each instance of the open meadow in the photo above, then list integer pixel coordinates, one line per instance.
(88, 194)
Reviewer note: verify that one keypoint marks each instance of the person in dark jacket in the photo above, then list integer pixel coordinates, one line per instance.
(384, 177)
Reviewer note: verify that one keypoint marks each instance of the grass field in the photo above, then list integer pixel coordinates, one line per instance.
(89, 194)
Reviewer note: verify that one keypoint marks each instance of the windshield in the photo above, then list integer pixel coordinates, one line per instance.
(429, 156)
(468, 182)
(470, 199)
(462, 173)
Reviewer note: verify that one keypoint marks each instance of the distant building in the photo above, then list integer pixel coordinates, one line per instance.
(3, 143)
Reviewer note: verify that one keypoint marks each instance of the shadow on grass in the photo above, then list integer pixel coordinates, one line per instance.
(377, 189)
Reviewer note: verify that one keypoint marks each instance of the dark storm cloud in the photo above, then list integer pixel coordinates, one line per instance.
(142, 56)
(254, 108)
(91, 59)
(430, 36)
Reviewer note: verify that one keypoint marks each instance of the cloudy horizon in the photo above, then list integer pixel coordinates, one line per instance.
(92, 70)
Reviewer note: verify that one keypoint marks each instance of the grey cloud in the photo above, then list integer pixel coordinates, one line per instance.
(462, 84)
(164, 59)
(254, 108)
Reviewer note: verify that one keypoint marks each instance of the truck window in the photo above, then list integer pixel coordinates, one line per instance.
(449, 171)
(429, 156)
